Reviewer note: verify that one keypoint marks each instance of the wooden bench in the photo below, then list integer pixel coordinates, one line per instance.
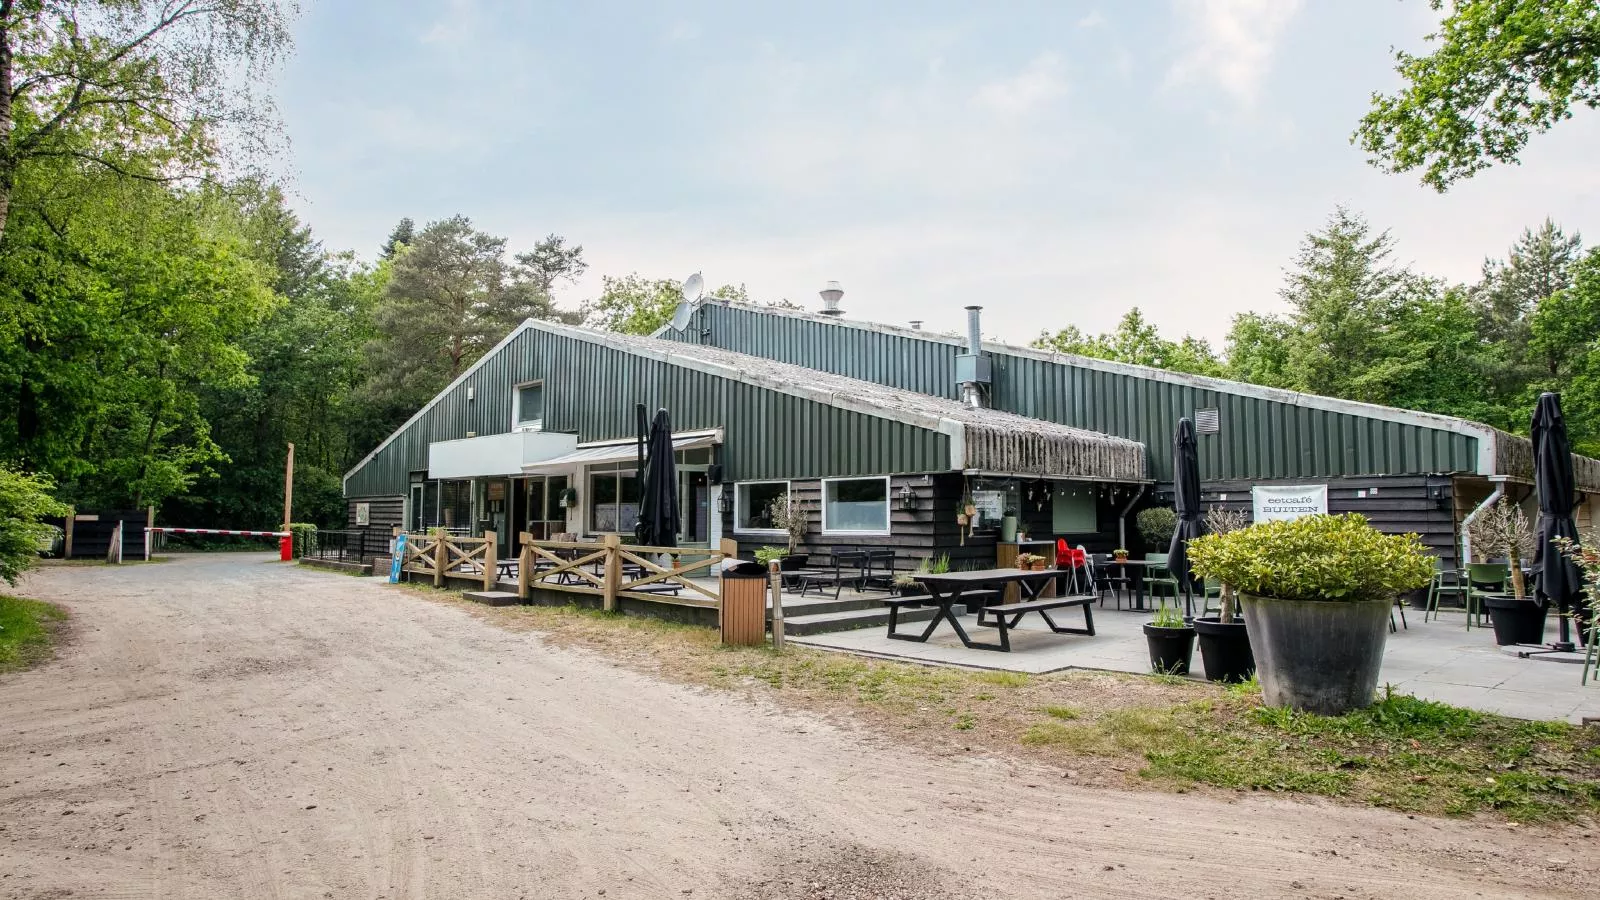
(1007, 615)
(896, 603)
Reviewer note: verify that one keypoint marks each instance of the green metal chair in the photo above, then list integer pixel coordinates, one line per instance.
(1157, 575)
(1445, 581)
(1210, 590)
(1484, 579)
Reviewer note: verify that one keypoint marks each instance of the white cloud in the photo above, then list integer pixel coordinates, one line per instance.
(1041, 82)
(1093, 20)
(457, 23)
(1229, 42)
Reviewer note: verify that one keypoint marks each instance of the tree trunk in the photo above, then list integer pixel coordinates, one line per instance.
(8, 162)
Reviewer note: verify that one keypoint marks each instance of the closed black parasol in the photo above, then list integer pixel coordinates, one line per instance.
(658, 494)
(1556, 578)
(1186, 495)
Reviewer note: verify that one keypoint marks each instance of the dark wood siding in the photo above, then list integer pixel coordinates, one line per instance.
(1403, 503)
(385, 514)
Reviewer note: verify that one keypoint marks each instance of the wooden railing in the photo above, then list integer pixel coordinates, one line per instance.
(607, 568)
(438, 555)
(603, 568)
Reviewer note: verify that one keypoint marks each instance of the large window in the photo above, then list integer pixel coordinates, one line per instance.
(752, 502)
(613, 500)
(528, 408)
(855, 505)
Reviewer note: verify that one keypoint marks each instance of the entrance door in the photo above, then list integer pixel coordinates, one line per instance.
(414, 523)
(546, 516)
(694, 506)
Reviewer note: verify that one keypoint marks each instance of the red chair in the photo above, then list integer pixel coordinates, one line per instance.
(1071, 562)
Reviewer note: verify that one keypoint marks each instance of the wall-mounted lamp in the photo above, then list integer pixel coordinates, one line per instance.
(725, 502)
(908, 498)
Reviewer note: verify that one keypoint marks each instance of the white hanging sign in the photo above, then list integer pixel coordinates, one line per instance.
(1281, 502)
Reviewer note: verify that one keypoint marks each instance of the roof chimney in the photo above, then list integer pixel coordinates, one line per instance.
(972, 367)
(831, 292)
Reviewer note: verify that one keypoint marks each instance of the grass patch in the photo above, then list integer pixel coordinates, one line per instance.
(1122, 730)
(27, 631)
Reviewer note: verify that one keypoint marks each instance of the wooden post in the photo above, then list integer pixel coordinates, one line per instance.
(730, 548)
(613, 545)
(491, 575)
(524, 566)
(66, 547)
(288, 489)
(775, 580)
(441, 558)
(149, 523)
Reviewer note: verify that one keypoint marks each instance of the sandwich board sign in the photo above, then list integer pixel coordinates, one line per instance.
(1282, 502)
(397, 558)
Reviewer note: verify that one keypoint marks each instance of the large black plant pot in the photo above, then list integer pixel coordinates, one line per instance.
(1225, 649)
(1515, 621)
(1170, 649)
(1319, 656)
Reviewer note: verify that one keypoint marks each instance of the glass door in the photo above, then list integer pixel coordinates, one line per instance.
(694, 506)
(546, 517)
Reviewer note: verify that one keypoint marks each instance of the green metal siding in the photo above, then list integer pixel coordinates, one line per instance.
(1257, 438)
(590, 390)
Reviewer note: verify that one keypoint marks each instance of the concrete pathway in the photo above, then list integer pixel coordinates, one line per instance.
(1438, 660)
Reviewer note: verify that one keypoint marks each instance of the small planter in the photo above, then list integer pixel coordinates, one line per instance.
(911, 590)
(793, 561)
(1120, 557)
(1225, 649)
(1515, 621)
(1008, 529)
(1319, 656)
(1170, 648)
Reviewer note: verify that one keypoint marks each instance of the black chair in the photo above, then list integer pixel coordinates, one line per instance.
(1108, 576)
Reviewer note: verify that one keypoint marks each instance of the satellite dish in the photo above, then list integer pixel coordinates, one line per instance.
(680, 316)
(694, 288)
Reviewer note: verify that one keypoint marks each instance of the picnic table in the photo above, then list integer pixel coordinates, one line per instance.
(985, 586)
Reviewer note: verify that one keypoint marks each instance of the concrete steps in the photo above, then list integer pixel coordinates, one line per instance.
(491, 598)
(849, 619)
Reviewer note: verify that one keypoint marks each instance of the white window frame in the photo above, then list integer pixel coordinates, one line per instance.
(888, 506)
(516, 406)
(738, 503)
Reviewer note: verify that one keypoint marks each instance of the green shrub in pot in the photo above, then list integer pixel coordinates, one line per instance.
(1316, 593)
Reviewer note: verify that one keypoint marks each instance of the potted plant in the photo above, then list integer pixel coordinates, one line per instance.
(1502, 530)
(1156, 525)
(1030, 561)
(1008, 525)
(1316, 593)
(1224, 639)
(788, 514)
(1120, 555)
(907, 585)
(1587, 557)
(1170, 640)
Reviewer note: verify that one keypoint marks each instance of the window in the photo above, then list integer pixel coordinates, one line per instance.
(1073, 509)
(751, 502)
(613, 500)
(528, 409)
(859, 505)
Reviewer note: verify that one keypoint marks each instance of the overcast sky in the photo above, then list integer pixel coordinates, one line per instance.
(1057, 162)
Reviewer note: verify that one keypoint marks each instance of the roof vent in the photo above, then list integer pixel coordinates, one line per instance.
(916, 324)
(1207, 421)
(831, 292)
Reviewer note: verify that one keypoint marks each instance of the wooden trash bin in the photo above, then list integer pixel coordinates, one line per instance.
(743, 616)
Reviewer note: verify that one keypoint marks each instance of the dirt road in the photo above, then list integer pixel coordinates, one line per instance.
(226, 726)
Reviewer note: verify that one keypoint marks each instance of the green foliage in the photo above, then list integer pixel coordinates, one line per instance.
(1156, 525)
(1168, 616)
(768, 555)
(1138, 342)
(633, 304)
(25, 501)
(135, 89)
(303, 537)
(1314, 558)
(26, 628)
(1501, 71)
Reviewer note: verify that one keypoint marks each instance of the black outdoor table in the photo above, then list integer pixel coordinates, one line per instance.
(1137, 578)
(947, 589)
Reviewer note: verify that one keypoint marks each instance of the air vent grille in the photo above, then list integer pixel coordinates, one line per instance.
(1206, 421)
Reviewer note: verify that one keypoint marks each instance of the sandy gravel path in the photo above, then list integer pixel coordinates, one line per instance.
(225, 726)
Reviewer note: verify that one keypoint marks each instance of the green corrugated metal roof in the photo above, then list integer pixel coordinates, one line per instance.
(1264, 432)
(779, 420)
